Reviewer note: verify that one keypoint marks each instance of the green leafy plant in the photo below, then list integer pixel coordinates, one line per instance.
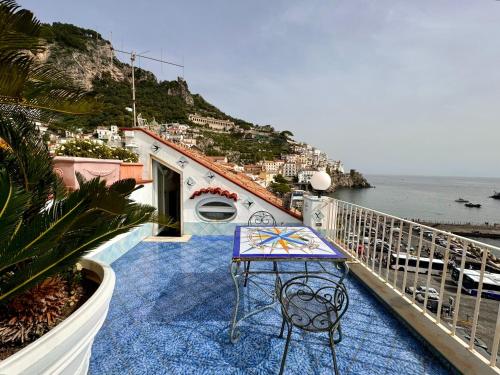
(44, 229)
(41, 237)
(26, 82)
(92, 149)
(280, 185)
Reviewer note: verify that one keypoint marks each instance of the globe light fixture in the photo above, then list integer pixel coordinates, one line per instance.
(320, 181)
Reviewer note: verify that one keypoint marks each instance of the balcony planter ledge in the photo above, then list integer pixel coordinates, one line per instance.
(66, 348)
(131, 170)
(67, 166)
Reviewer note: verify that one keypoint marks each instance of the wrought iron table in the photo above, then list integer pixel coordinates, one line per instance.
(278, 244)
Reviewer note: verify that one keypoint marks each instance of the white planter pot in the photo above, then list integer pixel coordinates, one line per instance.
(66, 348)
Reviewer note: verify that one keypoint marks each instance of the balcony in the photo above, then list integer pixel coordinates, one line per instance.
(446, 287)
(172, 305)
(173, 301)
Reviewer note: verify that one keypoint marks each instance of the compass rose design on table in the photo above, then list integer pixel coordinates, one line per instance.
(281, 238)
(281, 241)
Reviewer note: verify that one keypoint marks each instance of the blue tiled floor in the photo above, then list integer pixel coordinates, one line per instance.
(170, 314)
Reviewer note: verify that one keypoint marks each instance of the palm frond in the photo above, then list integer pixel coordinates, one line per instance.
(71, 235)
(13, 203)
(26, 82)
(27, 158)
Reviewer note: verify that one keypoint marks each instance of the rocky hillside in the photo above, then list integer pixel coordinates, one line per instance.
(90, 60)
(353, 180)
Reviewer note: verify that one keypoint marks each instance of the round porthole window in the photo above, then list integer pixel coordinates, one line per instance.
(216, 209)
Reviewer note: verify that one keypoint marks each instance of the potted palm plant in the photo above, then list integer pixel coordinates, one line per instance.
(52, 301)
(44, 232)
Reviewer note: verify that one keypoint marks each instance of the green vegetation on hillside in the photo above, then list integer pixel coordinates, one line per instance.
(246, 150)
(164, 101)
(280, 185)
(68, 35)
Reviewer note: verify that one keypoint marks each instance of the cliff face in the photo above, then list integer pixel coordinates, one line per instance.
(353, 180)
(181, 90)
(83, 66)
(91, 62)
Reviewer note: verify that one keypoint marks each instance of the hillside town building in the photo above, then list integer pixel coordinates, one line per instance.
(272, 166)
(212, 123)
(304, 176)
(290, 169)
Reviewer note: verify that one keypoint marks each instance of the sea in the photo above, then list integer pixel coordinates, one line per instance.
(430, 198)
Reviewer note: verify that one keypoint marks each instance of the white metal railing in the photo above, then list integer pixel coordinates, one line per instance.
(433, 264)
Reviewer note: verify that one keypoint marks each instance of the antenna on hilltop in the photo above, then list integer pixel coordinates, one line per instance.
(111, 51)
(133, 56)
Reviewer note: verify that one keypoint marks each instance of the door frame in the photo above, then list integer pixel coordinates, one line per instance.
(155, 189)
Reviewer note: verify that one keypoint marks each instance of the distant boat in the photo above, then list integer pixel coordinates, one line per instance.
(461, 200)
(496, 195)
(475, 205)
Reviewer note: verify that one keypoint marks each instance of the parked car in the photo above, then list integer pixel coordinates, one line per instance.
(428, 234)
(441, 242)
(432, 302)
(421, 291)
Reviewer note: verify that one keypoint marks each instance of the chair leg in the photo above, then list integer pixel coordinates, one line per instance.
(334, 357)
(307, 275)
(247, 269)
(282, 328)
(288, 337)
(339, 330)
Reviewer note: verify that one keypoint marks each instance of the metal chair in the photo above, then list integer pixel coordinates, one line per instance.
(259, 219)
(314, 304)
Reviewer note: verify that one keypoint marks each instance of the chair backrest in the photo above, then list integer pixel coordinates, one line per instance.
(261, 218)
(313, 303)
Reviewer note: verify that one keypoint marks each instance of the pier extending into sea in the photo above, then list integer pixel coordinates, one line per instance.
(486, 230)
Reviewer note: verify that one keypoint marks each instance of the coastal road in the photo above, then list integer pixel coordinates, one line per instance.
(488, 308)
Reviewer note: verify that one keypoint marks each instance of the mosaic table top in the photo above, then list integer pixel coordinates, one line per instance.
(282, 242)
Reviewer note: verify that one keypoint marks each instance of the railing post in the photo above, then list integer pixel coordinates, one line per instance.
(496, 340)
(365, 254)
(408, 247)
(358, 227)
(478, 299)
(398, 250)
(350, 226)
(346, 223)
(382, 247)
(443, 280)
(419, 251)
(429, 271)
(389, 252)
(459, 288)
(375, 244)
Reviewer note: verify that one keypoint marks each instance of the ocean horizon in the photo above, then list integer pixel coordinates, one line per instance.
(430, 198)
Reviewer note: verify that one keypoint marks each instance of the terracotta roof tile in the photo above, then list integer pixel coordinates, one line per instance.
(237, 178)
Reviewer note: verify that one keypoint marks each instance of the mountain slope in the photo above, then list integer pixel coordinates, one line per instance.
(90, 60)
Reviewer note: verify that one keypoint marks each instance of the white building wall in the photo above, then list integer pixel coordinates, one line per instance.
(198, 174)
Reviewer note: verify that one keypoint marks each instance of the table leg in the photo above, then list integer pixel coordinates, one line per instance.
(337, 265)
(234, 334)
(345, 273)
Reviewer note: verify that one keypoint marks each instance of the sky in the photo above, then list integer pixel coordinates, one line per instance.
(387, 86)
